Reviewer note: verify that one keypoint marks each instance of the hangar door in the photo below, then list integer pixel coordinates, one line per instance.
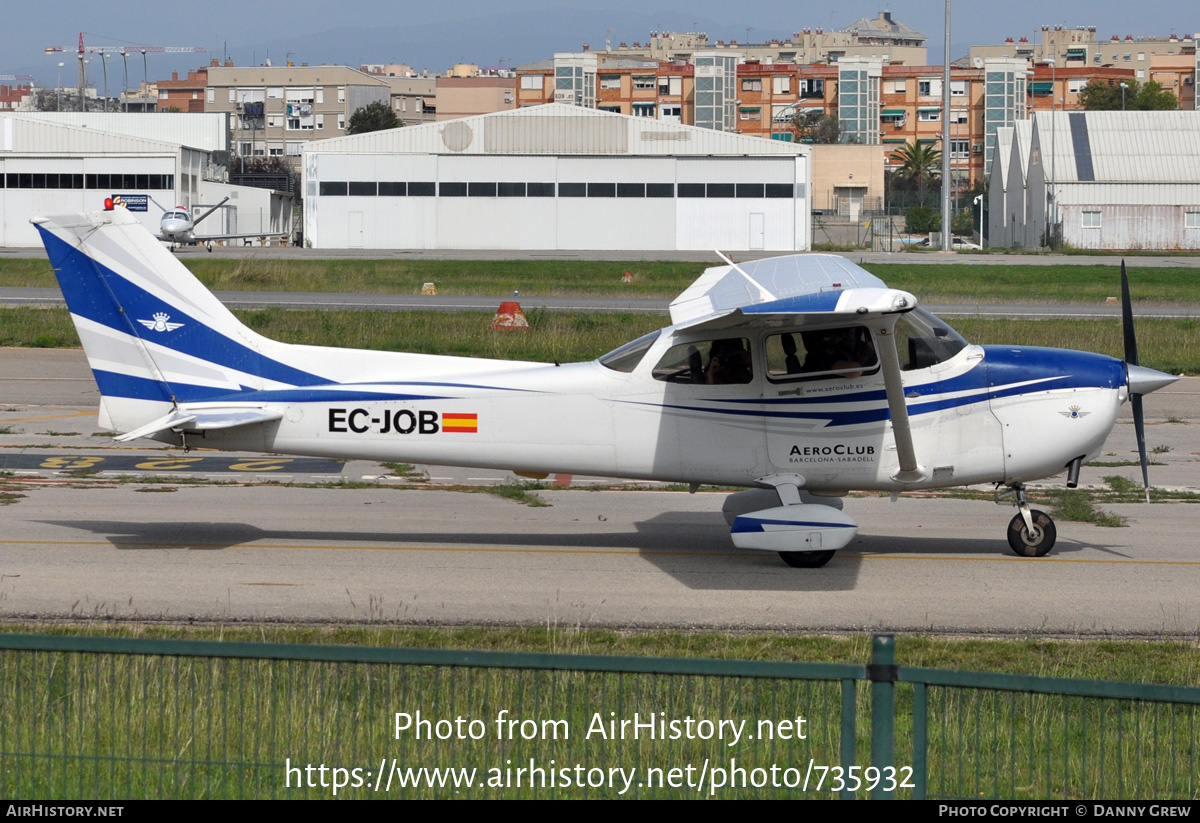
(739, 203)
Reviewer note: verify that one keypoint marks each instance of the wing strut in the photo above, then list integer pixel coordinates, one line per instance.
(910, 470)
(196, 222)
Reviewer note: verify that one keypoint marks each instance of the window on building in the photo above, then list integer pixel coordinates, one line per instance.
(1076, 86)
(320, 118)
(1091, 219)
(1141, 74)
(341, 94)
(610, 81)
(781, 85)
(929, 115)
(958, 115)
(1141, 56)
(644, 82)
(529, 82)
(958, 88)
(341, 122)
(750, 113)
(1191, 220)
(293, 148)
(275, 92)
(233, 95)
(752, 84)
(960, 148)
(925, 88)
(643, 109)
(210, 95)
(895, 86)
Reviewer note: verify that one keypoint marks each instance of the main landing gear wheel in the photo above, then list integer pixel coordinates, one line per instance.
(1036, 544)
(809, 560)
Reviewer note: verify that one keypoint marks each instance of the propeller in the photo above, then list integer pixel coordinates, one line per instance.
(1140, 380)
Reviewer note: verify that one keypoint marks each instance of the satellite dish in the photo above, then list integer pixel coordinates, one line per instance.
(978, 61)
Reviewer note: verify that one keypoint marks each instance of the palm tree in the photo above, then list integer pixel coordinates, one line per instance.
(920, 163)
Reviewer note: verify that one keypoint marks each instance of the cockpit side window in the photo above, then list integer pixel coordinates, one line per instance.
(845, 351)
(725, 361)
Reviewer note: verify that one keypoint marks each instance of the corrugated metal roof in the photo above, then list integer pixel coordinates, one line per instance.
(26, 135)
(1002, 154)
(205, 131)
(554, 128)
(1120, 147)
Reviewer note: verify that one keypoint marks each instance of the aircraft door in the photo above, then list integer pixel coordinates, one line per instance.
(710, 394)
(824, 405)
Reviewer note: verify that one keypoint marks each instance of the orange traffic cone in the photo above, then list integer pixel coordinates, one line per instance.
(509, 317)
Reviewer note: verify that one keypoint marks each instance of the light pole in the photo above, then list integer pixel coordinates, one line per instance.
(58, 88)
(979, 202)
(1123, 87)
(1053, 204)
(125, 82)
(104, 62)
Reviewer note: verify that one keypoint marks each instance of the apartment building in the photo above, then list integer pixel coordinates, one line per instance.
(275, 110)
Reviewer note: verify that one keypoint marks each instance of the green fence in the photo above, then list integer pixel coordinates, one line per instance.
(106, 718)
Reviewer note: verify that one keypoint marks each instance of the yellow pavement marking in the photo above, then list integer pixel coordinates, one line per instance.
(90, 413)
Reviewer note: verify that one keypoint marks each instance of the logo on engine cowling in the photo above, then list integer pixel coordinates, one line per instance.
(1073, 413)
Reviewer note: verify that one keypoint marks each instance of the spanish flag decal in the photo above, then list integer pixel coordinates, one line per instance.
(462, 423)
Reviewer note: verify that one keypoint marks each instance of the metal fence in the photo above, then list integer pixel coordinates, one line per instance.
(106, 718)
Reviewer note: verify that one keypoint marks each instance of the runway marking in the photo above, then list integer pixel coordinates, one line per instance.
(634, 552)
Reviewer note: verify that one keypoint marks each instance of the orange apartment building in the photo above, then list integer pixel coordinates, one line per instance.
(769, 95)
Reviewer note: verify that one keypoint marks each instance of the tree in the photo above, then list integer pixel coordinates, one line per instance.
(1100, 95)
(921, 164)
(815, 126)
(375, 116)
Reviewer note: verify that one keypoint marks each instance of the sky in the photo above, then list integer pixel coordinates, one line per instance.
(437, 35)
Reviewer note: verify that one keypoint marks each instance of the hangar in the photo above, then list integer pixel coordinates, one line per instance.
(1100, 180)
(556, 177)
(62, 163)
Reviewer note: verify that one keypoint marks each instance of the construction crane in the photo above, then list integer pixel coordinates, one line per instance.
(124, 51)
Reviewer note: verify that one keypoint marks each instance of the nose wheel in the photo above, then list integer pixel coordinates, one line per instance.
(1031, 533)
(1032, 542)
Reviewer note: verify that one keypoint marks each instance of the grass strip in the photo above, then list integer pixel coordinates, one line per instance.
(1168, 344)
(954, 282)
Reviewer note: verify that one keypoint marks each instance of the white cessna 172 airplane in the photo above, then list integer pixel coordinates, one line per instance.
(799, 377)
(179, 229)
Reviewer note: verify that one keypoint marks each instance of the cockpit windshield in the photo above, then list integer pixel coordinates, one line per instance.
(924, 340)
(626, 358)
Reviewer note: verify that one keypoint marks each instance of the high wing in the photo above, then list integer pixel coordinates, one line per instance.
(204, 238)
(817, 289)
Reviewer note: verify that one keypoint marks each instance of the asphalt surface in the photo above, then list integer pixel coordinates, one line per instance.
(128, 541)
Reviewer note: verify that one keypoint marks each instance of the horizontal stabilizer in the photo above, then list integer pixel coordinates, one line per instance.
(205, 419)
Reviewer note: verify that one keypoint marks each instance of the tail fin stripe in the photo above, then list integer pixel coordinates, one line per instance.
(192, 337)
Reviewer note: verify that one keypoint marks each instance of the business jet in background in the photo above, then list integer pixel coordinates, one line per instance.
(799, 378)
(179, 229)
